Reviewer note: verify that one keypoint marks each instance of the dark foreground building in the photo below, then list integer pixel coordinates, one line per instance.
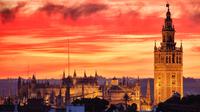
(8, 106)
(177, 104)
(34, 105)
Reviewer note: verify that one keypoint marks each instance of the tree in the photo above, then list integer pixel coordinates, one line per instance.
(132, 108)
(189, 103)
(112, 108)
(92, 105)
(126, 99)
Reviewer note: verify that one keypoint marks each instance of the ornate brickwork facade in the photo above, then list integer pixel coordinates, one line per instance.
(168, 64)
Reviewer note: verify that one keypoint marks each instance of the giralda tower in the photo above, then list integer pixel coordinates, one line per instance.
(168, 64)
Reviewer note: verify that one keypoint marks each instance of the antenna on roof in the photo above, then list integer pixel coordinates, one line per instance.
(68, 56)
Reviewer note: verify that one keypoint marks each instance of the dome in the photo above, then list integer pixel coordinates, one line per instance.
(114, 82)
(115, 89)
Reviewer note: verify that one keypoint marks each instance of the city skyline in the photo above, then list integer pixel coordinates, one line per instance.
(114, 38)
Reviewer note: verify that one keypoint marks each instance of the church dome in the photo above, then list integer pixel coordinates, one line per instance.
(115, 89)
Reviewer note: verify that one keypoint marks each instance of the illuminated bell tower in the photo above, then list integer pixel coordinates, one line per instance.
(168, 64)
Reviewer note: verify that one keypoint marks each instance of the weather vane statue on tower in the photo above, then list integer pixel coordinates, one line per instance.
(167, 5)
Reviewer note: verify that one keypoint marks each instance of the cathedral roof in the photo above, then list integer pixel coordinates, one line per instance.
(115, 88)
(82, 80)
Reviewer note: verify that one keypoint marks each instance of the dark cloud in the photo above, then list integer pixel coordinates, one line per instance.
(196, 15)
(73, 12)
(52, 8)
(8, 14)
(194, 8)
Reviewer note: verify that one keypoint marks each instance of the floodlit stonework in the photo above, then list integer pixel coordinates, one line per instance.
(168, 64)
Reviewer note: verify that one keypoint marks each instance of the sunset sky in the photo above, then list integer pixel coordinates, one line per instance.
(113, 37)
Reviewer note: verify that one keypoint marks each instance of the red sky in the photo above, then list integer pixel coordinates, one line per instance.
(114, 37)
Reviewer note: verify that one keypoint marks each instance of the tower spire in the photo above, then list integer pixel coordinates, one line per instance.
(68, 56)
(168, 32)
(85, 74)
(148, 93)
(138, 81)
(74, 74)
(155, 48)
(168, 10)
(181, 44)
(96, 74)
(63, 74)
(167, 57)
(168, 21)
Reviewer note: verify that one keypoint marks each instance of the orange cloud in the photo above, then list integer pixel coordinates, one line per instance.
(114, 37)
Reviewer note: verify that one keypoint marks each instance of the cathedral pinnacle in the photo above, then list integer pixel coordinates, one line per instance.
(148, 92)
(74, 73)
(85, 74)
(63, 74)
(181, 45)
(138, 81)
(96, 74)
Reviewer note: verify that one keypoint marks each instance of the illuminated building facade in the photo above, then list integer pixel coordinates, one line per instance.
(72, 88)
(168, 64)
(116, 91)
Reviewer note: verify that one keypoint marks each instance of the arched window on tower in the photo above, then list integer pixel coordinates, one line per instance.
(173, 58)
(176, 59)
(169, 38)
(180, 60)
(163, 38)
(169, 59)
(166, 59)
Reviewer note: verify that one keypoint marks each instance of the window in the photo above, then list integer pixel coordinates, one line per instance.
(180, 60)
(169, 59)
(173, 58)
(170, 38)
(166, 59)
(163, 38)
(176, 59)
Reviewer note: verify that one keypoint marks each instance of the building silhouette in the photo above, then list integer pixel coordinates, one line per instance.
(116, 91)
(74, 87)
(59, 95)
(168, 64)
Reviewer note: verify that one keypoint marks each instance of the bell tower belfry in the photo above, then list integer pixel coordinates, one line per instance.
(168, 63)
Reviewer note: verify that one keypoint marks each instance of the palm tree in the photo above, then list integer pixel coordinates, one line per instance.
(126, 99)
